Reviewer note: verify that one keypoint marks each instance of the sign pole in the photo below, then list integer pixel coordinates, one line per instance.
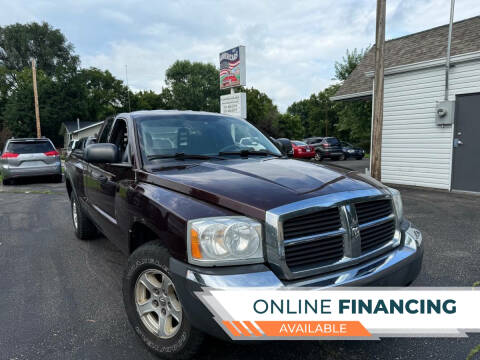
(376, 170)
(35, 96)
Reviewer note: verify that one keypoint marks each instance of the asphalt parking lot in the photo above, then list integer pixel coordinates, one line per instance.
(61, 298)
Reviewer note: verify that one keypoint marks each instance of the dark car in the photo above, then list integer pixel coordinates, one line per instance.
(285, 146)
(326, 147)
(192, 208)
(350, 151)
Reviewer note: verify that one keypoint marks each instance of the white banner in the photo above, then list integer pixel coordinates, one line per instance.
(364, 312)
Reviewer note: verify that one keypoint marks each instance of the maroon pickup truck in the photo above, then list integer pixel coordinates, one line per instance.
(193, 206)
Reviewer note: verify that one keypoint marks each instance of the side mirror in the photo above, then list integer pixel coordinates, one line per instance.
(101, 153)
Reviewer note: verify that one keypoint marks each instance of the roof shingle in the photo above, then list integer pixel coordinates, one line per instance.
(422, 46)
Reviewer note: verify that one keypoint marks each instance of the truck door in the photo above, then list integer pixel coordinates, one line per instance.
(78, 169)
(105, 182)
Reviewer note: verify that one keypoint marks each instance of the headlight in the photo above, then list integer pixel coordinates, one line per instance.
(224, 241)
(397, 201)
(351, 151)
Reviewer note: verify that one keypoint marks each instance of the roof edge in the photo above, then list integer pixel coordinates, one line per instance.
(86, 127)
(351, 96)
(427, 64)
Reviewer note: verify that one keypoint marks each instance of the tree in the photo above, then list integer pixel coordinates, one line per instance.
(354, 117)
(349, 63)
(261, 112)
(56, 64)
(355, 121)
(192, 86)
(103, 94)
(290, 126)
(148, 100)
(317, 114)
(59, 101)
(19, 43)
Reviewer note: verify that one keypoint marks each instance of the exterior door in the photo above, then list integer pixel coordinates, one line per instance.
(103, 182)
(466, 151)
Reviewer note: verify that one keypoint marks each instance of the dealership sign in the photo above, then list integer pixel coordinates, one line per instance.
(234, 105)
(232, 68)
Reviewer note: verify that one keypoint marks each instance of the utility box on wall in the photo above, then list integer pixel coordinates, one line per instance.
(444, 112)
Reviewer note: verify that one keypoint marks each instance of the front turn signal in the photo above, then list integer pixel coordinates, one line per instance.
(195, 244)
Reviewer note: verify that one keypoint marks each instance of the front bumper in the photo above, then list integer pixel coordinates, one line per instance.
(399, 267)
(11, 172)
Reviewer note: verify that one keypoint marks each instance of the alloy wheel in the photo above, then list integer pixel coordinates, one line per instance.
(157, 303)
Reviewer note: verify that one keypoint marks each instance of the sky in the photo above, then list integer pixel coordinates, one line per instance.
(291, 46)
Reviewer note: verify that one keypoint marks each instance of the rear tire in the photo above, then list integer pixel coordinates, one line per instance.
(83, 226)
(359, 157)
(342, 157)
(163, 325)
(6, 182)
(58, 178)
(318, 156)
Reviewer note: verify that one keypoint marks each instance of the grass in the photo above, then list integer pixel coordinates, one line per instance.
(476, 349)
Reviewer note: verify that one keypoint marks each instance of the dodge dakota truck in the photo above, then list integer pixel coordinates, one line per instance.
(194, 206)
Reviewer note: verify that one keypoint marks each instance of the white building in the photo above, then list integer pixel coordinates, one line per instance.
(415, 150)
(74, 130)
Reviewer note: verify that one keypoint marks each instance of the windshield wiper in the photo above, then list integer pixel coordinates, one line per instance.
(183, 156)
(246, 153)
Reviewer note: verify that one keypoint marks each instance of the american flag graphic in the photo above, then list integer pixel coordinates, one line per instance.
(227, 67)
(230, 68)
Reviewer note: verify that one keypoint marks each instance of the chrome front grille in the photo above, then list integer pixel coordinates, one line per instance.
(313, 239)
(331, 232)
(376, 236)
(373, 210)
(378, 214)
(310, 224)
(314, 253)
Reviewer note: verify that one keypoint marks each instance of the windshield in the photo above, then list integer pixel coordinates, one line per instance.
(191, 134)
(29, 147)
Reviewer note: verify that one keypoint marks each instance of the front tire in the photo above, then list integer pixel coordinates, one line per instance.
(83, 226)
(342, 157)
(6, 182)
(153, 306)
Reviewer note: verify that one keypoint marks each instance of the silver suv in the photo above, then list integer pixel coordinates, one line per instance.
(29, 157)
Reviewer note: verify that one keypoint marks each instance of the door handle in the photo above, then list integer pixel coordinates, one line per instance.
(457, 142)
(460, 142)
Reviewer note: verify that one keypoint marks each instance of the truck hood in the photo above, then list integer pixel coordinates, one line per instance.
(252, 186)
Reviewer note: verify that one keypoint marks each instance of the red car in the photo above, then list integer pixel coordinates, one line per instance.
(302, 150)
